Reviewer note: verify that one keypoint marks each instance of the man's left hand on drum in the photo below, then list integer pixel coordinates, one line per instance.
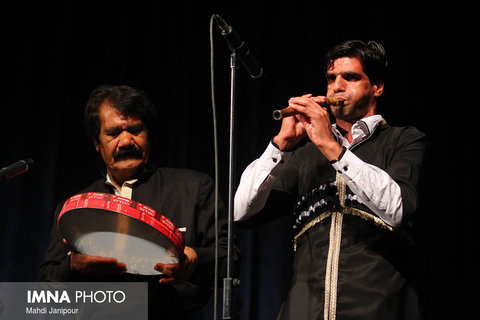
(179, 271)
(94, 265)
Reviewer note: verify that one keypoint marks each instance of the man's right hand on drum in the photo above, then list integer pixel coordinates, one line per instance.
(181, 270)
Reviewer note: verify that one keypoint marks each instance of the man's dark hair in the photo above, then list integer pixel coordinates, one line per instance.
(371, 55)
(127, 100)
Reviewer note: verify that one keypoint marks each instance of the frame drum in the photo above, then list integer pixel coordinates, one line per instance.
(107, 225)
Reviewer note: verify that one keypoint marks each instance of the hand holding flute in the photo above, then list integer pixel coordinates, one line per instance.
(311, 119)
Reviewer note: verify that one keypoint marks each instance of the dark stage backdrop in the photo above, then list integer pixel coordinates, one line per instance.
(54, 53)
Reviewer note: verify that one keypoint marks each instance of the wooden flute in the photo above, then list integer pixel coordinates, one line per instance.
(288, 112)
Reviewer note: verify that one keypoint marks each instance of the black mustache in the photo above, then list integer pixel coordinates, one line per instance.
(128, 152)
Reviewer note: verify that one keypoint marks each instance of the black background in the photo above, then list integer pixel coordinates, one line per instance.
(54, 54)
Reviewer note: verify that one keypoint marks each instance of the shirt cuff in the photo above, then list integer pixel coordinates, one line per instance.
(272, 156)
(348, 165)
(340, 156)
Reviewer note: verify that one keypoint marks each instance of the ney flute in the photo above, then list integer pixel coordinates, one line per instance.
(288, 112)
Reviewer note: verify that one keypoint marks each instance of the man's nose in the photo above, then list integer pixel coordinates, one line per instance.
(339, 84)
(126, 139)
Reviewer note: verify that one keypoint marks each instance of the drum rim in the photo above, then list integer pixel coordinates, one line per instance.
(131, 209)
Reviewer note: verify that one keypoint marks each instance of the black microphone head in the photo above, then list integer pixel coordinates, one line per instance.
(15, 169)
(222, 24)
(29, 161)
(237, 45)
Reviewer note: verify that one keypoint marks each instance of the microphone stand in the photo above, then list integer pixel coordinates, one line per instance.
(229, 282)
(239, 52)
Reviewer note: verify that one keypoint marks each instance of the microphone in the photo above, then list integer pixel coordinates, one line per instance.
(288, 112)
(15, 169)
(237, 45)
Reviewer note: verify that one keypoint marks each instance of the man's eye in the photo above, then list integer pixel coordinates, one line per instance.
(135, 131)
(351, 77)
(330, 78)
(112, 133)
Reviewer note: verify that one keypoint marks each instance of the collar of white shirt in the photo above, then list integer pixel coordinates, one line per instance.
(360, 129)
(125, 190)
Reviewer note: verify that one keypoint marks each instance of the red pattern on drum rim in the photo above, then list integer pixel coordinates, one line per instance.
(128, 207)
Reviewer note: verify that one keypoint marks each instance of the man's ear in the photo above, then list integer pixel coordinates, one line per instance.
(97, 145)
(378, 89)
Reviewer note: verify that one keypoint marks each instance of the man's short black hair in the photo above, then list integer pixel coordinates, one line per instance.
(371, 54)
(127, 100)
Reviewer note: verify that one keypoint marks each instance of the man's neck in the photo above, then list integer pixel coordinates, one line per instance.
(345, 128)
(119, 179)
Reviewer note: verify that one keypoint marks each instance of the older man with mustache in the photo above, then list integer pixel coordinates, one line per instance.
(120, 121)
